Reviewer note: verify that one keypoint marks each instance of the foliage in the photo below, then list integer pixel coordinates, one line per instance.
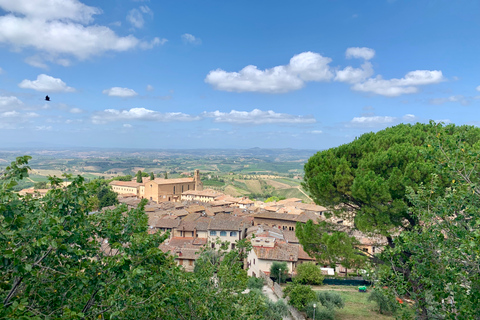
(385, 301)
(309, 273)
(139, 176)
(275, 310)
(274, 199)
(300, 295)
(166, 175)
(279, 271)
(101, 194)
(435, 263)
(60, 262)
(152, 176)
(329, 246)
(330, 300)
(371, 174)
(40, 185)
(255, 283)
(123, 178)
(321, 313)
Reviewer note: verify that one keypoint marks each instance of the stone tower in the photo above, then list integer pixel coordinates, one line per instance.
(196, 179)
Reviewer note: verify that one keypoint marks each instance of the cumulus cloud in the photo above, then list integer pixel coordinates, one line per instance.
(189, 38)
(257, 116)
(379, 121)
(127, 125)
(150, 87)
(362, 53)
(395, 87)
(11, 119)
(76, 110)
(355, 75)
(306, 66)
(316, 132)
(478, 88)
(10, 103)
(140, 114)
(45, 83)
(119, 92)
(464, 101)
(43, 128)
(371, 121)
(135, 16)
(57, 27)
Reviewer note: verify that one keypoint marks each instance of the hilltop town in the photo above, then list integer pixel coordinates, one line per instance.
(196, 218)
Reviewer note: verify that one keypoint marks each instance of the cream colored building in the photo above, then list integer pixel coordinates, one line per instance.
(159, 190)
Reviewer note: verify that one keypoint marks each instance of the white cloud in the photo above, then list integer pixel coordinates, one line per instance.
(379, 121)
(189, 38)
(464, 101)
(150, 87)
(45, 83)
(355, 75)
(409, 118)
(140, 114)
(371, 121)
(11, 119)
(306, 66)
(135, 18)
(76, 110)
(257, 116)
(396, 87)
(478, 88)
(52, 9)
(316, 132)
(43, 128)
(127, 125)
(10, 102)
(57, 27)
(120, 92)
(1, 71)
(445, 121)
(362, 53)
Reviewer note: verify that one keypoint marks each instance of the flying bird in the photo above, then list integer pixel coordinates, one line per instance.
(47, 98)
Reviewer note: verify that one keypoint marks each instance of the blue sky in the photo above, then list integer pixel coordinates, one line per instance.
(232, 74)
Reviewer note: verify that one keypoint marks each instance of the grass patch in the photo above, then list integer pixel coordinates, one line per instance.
(356, 305)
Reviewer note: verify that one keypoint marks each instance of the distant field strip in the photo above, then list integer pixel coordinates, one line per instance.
(277, 185)
(253, 186)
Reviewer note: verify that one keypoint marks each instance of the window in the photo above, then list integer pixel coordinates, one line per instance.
(213, 233)
(233, 233)
(190, 262)
(213, 245)
(182, 188)
(173, 189)
(365, 249)
(253, 261)
(223, 233)
(232, 246)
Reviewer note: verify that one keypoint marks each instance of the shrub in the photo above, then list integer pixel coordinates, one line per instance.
(275, 310)
(299, 295)
(309, 273)
(330, 300)
(279, 270)
(255, 283)
(321, 313)
(386, 303)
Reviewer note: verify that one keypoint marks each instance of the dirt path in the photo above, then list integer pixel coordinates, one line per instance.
(306, 195)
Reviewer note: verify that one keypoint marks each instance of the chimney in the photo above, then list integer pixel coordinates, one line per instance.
(196, 179)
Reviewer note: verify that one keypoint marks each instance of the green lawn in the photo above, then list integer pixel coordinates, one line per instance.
(356, 305)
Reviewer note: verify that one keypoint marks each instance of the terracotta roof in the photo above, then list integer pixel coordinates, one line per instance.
(132, 184)
(195, 208)
(164, 222)
(172, 181)
(280, 252)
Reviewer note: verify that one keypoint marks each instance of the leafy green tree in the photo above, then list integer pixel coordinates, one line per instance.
(139, 176)
(309, 273)
(299, 295)
(255, 283)
(58, 261)
(166, 175)
(386, 303)
(330, 246)
(40, 185)
(435, 264)
(152, 176)
(123, 178)
(370, 175)
(279, 271)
